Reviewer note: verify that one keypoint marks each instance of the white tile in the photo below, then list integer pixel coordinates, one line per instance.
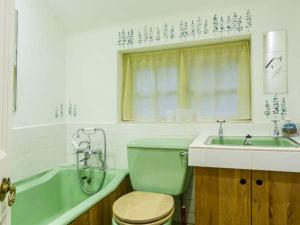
(36, 149)
(196, 157)
(276, 161)
(189, 193)
(191, 218)
(111, 164)
(228, 158)
(190, 205)
(121, 163)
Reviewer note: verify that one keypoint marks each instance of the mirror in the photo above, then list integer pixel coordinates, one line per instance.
(275, 62)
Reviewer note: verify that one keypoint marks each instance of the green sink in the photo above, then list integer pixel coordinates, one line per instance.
(254, 141)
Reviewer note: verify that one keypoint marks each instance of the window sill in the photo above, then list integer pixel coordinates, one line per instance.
(184, 122)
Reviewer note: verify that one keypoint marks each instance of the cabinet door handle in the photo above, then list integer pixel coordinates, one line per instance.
(243, 181)
(259, 182)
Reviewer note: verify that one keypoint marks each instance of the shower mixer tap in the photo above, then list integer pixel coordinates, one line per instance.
(85, 146)
(79, 149)
(86, 156)
(87, 131)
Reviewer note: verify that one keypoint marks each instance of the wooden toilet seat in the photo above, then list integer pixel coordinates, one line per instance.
(159, 222)
(143, 208)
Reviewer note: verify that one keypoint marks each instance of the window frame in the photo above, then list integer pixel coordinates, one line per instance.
(177, 46)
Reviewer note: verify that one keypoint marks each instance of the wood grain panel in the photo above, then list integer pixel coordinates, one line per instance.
(101, 213)
(277, 200)
(220, 197)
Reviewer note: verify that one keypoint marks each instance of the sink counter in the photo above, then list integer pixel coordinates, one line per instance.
(244, 157)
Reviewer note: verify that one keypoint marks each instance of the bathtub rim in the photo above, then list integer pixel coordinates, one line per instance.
(75, 212)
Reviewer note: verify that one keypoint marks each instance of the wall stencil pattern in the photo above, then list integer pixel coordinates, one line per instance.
(61, 111)
(196, 28)
(276, 108)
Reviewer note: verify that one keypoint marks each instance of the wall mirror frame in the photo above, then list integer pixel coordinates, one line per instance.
(15, 70)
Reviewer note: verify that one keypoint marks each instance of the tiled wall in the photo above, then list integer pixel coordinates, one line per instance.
(37, 149)
(188, 202)
(119, 134)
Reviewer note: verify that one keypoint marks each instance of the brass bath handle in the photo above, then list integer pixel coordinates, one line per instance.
(7, 187)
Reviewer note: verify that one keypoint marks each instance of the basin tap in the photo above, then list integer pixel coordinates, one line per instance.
(275, 129)
(247, 140)
(221, 132)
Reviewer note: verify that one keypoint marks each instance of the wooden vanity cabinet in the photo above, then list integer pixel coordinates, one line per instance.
(244, 197)
(223, 197)
(275, 198)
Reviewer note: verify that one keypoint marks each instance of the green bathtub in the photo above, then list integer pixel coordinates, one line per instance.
(56, 198)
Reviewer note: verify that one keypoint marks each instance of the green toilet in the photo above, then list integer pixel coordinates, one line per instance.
(158, 170)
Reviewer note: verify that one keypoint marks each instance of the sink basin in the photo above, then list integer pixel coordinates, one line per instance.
(254, 141)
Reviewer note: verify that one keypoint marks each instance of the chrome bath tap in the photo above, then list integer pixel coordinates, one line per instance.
(88, 158)
(84, 147)
(86, 150)
(79, 149)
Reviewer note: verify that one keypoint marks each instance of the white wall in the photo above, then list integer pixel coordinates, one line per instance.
(41, 64)
(92, 78)
(38, 138)
(93, 82)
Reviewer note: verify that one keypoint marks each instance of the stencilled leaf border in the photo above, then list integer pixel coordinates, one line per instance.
(184, 30)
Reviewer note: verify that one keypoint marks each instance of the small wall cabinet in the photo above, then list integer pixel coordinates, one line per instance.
(245, 197)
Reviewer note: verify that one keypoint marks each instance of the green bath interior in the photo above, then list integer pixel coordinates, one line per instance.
(44, 202)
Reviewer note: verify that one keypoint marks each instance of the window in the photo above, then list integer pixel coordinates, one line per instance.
(189, 84)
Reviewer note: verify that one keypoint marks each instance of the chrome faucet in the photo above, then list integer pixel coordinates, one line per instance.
(221, 131)
(84, 147)
(275, 129)
(85, 161)
(247, 140)
(85, 150)
(79, 149)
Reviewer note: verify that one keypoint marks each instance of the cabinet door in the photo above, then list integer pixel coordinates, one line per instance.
(223, 196)
(275, 198)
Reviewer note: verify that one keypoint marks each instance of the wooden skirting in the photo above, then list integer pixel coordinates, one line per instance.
(101, 213)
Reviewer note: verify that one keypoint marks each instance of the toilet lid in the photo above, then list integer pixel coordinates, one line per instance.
(157, 222)
(143, 207)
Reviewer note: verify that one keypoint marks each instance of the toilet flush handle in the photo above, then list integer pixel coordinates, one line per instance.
(183, 153)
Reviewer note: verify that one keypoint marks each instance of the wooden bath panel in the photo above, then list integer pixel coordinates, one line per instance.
(101, 213)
